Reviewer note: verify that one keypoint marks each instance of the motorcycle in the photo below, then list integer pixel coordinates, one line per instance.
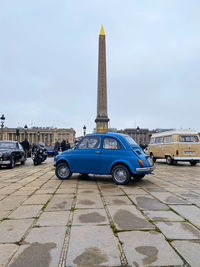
(39, 154)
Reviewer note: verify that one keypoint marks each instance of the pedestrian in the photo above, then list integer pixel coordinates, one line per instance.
(68, 145)
(63, 145)
(57, 146)
(26, 146)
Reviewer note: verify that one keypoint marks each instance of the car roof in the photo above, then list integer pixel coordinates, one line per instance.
(176, 131)
(108, 134)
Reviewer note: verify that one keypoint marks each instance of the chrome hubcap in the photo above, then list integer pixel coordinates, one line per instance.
(120, 175)
(63, 171)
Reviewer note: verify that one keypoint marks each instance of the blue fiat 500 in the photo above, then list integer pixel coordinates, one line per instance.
(110, 153)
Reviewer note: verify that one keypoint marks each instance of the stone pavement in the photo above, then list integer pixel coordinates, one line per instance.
(90, 221)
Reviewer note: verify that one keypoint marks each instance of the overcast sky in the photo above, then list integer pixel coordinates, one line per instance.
(49, 58)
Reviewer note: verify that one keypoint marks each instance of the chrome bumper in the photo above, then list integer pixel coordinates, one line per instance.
(4, 162)
(146, 169)
(186, 158)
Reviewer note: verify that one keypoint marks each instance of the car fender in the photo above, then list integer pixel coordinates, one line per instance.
(62, 159)
(125, 162)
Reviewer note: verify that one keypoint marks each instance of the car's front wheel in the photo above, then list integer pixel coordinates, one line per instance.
(12, 163)
(121, 174)
(169, 160)
(62, 171)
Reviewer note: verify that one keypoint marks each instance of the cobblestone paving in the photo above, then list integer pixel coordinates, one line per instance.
(90, 221)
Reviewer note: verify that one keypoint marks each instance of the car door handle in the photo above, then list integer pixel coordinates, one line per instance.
(98, 152)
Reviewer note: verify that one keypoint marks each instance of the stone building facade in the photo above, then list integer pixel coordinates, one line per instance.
(47, 135)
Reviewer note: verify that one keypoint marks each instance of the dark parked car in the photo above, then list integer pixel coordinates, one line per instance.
(11, 152)
(111, 153)
(50, 151)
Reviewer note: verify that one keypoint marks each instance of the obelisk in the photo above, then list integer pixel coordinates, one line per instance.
(102, 116)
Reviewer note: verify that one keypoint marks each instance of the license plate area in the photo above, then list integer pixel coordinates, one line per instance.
(189, 152)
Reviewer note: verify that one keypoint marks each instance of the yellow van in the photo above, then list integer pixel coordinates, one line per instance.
(175, 145)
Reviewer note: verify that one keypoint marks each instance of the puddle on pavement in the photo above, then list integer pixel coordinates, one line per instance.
(174, 200)
(92, 217)
(36, 254)
(160, 219)
(189, 228)
(127, 220)
(118, 201)
(88, 191)
(90, 257)
(150, 253)
(150, 204)
(156, 190)
(190, 195)
(60, 205)
(86, 202)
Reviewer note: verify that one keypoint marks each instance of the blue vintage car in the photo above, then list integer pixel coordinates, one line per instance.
(110, 153)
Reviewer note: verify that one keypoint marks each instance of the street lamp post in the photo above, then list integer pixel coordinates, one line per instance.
(2, 125)
(25, 130)
(84, 130)
(137, 132)
(38, 134)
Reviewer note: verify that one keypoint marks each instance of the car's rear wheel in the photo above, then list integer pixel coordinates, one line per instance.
(193, 163)
(121, 174)
(62, 171)
(169, 160)
(23, 162)
(12, 163)
(138, 177)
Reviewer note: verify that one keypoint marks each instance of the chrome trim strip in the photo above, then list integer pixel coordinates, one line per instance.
(4, 161)
(186, 158)
(145, 169)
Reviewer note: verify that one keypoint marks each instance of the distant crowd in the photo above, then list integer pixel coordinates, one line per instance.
(62, 146)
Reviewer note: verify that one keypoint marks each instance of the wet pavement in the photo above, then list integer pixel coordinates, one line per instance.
(90, 221)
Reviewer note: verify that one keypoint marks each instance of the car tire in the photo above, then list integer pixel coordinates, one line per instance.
(12, 163)
(121, 175)
(138, 177)
(62, 171)
(23, 162)
(193, 162)
(169, 160)
(152, 157)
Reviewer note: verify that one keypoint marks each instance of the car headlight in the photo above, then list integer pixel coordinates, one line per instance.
(40, 150)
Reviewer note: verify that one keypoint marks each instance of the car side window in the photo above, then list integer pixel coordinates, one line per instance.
(20, 147)
(90, 142)
(111, 143)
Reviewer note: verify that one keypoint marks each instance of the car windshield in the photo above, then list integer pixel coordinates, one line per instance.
(130, 140)
(7, 145)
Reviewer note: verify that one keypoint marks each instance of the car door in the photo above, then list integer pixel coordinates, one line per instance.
(86, 156)
(17, 153)
(22, 153)
(112, 150)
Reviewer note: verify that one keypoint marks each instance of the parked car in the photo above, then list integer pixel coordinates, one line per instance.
(110, 153)
(50, 151)
(175, 145)
(11, 152)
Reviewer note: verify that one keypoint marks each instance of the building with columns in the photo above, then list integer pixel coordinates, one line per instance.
(47, 135)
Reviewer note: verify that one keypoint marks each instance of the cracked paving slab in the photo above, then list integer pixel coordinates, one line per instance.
(96, 246)
(42, 247)
(148, 249)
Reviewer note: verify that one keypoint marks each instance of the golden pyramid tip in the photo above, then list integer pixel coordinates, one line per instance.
(102, 31)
